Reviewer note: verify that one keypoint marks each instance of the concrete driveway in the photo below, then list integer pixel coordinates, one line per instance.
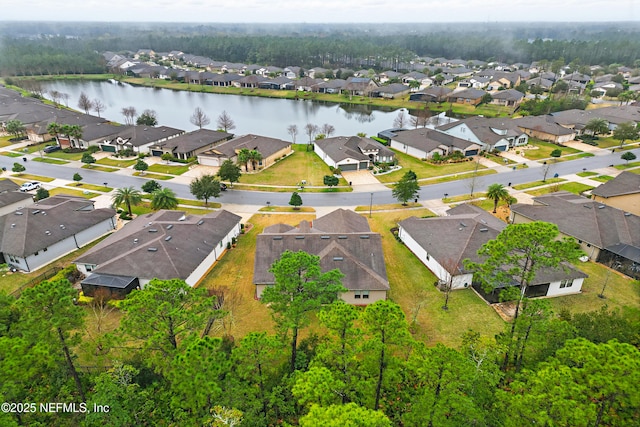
(363, 181)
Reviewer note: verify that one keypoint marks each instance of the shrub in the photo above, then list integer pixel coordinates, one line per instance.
(228, 245)
(125, 216)
(93, 149)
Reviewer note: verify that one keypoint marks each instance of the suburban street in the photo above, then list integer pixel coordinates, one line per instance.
(359, 197)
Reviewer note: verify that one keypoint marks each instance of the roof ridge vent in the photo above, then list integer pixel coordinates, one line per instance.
(166, 239)
(152, 249)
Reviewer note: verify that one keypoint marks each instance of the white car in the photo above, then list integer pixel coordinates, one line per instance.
(28, 186)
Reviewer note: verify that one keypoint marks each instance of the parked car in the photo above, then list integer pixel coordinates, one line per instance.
(28, 186)
(51, 148)
(223, 186)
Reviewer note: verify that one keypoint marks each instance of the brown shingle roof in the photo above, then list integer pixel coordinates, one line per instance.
(342, 240)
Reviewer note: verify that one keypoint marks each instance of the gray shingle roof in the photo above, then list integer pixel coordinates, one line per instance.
(195, 140)
(429, 139)
(342, 240)
(340, 148)
(265, 145)
(623, 184)
(126, 252)
(49, 221)
(584, 219)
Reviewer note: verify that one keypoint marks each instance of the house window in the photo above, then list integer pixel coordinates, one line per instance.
(566, 283)
(361, 294)
(428, 257)
(88, 267)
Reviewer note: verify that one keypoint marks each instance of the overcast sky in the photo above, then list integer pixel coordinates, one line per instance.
(332, 11)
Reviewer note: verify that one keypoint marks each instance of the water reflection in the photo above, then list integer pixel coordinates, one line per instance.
(264, 116)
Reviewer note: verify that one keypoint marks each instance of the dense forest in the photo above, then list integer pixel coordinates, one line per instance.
(75, 48)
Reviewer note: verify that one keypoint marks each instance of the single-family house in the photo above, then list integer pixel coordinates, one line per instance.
(474, 82)
(11, 198)
(491, 133)
(139, 138)
(271, 150)
(291, 72)
(385, 76)
(540, 82)
(224, 80)
(467, 96)
(144, 52)
(432, 94)
(622, 192)
(602, 87)
(342, 240)
(250, 81)
(42, 232)
(507, 98)
(316, 72)
(306, 84)
(278, 83)
(360, 86)
(443, 243)
(391, 91)
(166, 244)
(190, 144)
(545, 128)
(424, 143)
(352, 153)
(606, 234)
(330, 86)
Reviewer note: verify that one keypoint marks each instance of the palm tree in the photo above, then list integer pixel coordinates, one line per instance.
(127, 196)
(497, 192)
(244, 155)
(163, 198)
(255, 156)
(597, 125)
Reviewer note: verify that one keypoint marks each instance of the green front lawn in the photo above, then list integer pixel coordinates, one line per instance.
(60, 154)
(49, 160)
(31, 177)
(10, 154)
(585, 174)
(627, 166)
(95, 167)
(119, 163)
(84, 186)
(538, 183)
(153, 176)
(392, 206)
(168, 169)
(212, 203)
(292, 170)
(572, 187)
(71, 192)
(544, 150)
(602, 178)
(427, 170)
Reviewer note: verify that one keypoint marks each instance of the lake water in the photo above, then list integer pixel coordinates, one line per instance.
(262, 116)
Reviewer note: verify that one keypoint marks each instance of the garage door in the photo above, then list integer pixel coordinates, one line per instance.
(471, 153)
(351, 167)
(501, 148)
(108, 148)
(364, 165)
(156, 153)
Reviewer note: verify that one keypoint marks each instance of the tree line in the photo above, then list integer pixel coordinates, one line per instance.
(58, 55)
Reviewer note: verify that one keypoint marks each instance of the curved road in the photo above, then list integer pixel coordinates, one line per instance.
(534, 172)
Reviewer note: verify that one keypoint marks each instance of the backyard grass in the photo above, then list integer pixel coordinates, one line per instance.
(544, 150)
(99, 168)
(427, 170)
(572, 187)
(537, 183)
(49, 160)
(292, 170)
(411, 283)
(153, 176)
(71, 192)
(234, 272)
(31, 177)
(168, 169)
(621, 291)
(119, 163)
